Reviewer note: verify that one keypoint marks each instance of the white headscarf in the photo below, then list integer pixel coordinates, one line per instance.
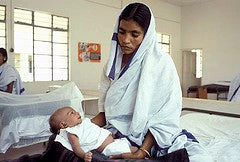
(148, 94)
(234, 90)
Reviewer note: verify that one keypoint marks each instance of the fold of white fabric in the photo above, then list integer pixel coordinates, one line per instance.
(114, 149)
(234, 90)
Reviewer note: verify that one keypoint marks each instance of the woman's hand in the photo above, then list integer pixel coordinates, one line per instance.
(139, 154)
(10, 87)
(88, 157)
(99, 119)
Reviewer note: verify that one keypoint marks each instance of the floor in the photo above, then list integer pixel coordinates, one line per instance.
(14, 153)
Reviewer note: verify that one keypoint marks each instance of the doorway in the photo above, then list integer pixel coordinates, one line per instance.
(191, 69)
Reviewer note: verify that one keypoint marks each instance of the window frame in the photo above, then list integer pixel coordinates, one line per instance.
(5, 31)
(160, 38)
(34, 54)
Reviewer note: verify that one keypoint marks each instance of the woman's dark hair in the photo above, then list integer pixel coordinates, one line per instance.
(4, 53)
(137, 12)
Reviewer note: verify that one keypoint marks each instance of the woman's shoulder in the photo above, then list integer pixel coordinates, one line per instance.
(8, 66)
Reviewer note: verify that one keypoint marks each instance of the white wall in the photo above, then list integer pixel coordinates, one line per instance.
(214, 27)
(89, 22)
(93, 21)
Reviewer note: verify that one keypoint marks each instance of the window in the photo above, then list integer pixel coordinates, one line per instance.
(41, 46)
(2, 26)
(164, 41)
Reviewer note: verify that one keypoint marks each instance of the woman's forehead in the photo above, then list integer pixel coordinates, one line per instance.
(129, 25)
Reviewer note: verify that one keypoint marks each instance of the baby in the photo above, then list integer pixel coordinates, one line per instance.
(82, 136)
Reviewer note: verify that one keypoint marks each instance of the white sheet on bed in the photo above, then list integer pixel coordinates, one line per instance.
(26, 116)
(219, 134)
(24, 129)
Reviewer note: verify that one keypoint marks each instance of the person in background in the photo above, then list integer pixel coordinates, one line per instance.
(140, 93)
(82, 136)
(234, 90)
(10, 80)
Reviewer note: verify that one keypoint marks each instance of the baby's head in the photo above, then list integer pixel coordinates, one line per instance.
(63, 118)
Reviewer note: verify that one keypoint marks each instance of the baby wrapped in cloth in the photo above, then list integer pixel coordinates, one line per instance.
(91, 137)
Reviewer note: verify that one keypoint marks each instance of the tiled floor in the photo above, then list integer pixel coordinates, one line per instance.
(14, 153)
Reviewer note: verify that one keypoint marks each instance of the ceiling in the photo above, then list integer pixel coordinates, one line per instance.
(182, 3)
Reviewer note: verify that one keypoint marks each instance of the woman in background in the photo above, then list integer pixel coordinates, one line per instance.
(234, 90)
(140, 94)
(10, 80)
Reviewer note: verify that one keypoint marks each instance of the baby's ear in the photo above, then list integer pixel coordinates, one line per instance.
(63, 125)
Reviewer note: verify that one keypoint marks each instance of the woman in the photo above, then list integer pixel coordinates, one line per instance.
(140, 95)
(10, 80)
(234, 90)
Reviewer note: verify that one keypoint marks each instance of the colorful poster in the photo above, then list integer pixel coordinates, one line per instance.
(89, 52)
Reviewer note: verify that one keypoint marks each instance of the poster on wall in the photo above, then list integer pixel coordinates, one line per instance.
(89, 52)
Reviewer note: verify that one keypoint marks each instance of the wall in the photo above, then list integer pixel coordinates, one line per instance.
(214, 27)
(93, 21)
(89, 22)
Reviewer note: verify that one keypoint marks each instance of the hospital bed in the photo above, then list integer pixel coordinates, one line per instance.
(24, 118)
(215, 124)
(217, 89)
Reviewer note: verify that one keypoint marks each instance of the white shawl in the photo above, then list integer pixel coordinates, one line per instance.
(234, 90)
(147, 96)
(9, 74)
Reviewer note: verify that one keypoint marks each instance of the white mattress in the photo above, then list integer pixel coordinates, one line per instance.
(220, 135)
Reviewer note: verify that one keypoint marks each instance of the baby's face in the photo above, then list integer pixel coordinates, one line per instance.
(71, 117)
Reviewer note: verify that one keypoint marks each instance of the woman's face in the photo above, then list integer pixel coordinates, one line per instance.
(130, 35)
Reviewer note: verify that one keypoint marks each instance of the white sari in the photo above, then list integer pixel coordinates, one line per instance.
(234, 90)
(147, 96)
(9, 74)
